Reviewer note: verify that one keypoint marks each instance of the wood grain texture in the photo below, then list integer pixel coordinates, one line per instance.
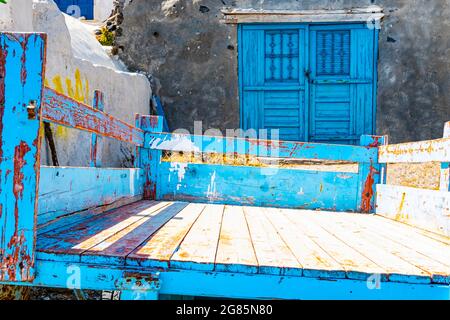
(235, 252)
(198, 249)
(62, 110)
(254, 186)
(158, 250)
(427, 209)
(65, 190)
(22, 70)
(254, 241)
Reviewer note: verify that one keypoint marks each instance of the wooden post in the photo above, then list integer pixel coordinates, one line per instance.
(98, 104)
(445, 166)
(369, 175)
(22, 65)
(147, 158)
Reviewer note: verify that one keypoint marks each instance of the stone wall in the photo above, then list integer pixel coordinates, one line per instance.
(192, 56)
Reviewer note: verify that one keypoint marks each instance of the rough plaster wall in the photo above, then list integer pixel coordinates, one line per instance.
(77, 65)
(16, 14)
(193, 58)
(102, 9)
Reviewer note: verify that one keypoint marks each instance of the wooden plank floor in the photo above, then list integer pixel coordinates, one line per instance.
(208, 237)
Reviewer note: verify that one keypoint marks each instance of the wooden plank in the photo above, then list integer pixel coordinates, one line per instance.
(116, 248)
(65, 111)
(150, 160)
(272, 253)
(157, 251)
(427, 209)
(369, 175)
(65, 190)
(364, 231)
(78, 217)
(97, 104)
(234, 16)
(73, 240)
(22, 69)
(378, 251)
(356, 265)
(260, 148)
(410, 237)
(198, 250)
(255, 186)
(235, 252)
(315, 261)
(416, 152)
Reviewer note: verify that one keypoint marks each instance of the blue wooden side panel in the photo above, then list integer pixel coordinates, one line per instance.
(22, 61)
(254, 186)
(261, 148)
(67, 190)
(149, 159)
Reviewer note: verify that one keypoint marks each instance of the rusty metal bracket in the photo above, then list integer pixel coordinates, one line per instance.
(139, 286)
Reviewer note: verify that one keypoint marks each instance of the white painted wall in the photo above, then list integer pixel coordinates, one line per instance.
(77, 65)
(16, 14)
(102, 9)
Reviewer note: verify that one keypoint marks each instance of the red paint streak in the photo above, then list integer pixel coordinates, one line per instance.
(375, 143)
(3, 54)
(368, 193)
(23, 59)
(65, 111)
(149, 186)
(154, 121)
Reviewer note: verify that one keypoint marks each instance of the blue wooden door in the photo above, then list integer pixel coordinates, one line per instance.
(273, 83)
(312, 82)
(83, 8)
(342, 83)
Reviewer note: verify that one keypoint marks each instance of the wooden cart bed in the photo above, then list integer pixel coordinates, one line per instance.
(251, 240)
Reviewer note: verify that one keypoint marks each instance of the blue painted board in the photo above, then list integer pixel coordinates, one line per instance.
(160, 112)
(267, 187)
(230, 285)
(261, 148)
(65, 190)
(22, 68)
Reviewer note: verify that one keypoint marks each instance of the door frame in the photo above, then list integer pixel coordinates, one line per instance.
(307, 50)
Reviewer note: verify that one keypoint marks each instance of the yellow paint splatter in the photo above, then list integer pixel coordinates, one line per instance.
(57, 84)
(79, 93)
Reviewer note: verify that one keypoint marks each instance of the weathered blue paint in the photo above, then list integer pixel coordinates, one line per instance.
(160, 112)
(258, 186)
(369, 175)
(260, 148)
(22, 68)
(63, 190)
(65, 111)
(149, 159)
(311, 82)
(230, 285)
(98, 104)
